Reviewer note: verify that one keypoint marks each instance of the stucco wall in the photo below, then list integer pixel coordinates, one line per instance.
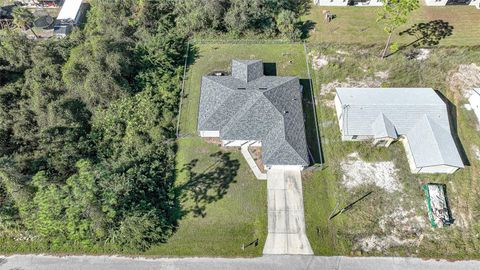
(286, 167)
(438, 169)
(210, 133)
(444, 2)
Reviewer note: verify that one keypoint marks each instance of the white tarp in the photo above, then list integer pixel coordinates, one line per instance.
(70, 10)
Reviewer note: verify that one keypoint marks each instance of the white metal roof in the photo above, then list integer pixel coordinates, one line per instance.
(69, 10)
(417, 113)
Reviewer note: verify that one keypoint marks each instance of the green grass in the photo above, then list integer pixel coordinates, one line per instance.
(357, 25)
(323, 189)
(236, 218)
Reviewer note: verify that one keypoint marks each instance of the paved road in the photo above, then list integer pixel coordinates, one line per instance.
(270, 262)
(286, 221)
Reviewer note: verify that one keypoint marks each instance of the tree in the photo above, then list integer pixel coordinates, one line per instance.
(287, 24)
(200, 15)
(23, 19)
(394, 14)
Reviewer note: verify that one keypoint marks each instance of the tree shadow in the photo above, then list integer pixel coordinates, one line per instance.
(311, 127)
(208, 186)
(452, 115)
(426, 34)
(305, 28)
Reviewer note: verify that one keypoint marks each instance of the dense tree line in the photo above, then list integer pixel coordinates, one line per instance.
(86, 129)
(242, 17)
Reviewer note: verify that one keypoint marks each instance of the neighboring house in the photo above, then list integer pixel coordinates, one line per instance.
(379, 2)
(70, 15)
(452, 2)
(251, 108)
(41, 3)
(474, 101)
(418, 117)
(348, 2)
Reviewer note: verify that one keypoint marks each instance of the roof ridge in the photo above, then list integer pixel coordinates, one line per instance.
(282, 114)
(433, 135)
(225, 100)
(242, 111)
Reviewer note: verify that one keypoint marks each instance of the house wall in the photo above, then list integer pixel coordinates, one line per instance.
(445, 2)
(348, 2)
(236, 143)
(339, 110)
(209, 133)
(357, 138)
(438, 169)
(285, 167)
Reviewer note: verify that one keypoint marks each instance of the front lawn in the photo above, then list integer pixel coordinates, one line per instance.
(390, 222)
(226, 204)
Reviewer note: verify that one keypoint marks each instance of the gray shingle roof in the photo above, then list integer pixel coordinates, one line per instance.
(250, 106)
(417, 113)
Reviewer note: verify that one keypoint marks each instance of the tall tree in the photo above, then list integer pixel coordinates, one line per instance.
(394, 14)
(23, 18)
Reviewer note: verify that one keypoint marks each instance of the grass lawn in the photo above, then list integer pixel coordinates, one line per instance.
(234, 213)
(239, 215)
(357, 25)
(402, 214)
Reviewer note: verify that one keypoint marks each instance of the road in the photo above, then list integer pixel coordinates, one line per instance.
(268, 262)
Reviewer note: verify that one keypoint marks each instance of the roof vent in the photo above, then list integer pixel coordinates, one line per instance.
(285, 112)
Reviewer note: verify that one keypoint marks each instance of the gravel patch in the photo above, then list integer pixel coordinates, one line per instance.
(358, 172)
(400, 228)
(464, 79)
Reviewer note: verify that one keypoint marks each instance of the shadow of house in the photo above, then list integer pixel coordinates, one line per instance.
(270, 69)
(452, 116)
(208, 186)
(311, 127)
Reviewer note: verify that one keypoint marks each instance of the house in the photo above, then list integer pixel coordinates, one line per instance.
(417, 117)
(41, 3)
(380, 3)
(249, 108)
(452, 2)
(474, 101)
(70, 15)
(348, 2)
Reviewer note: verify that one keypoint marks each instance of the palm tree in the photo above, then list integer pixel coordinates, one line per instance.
(23, 19)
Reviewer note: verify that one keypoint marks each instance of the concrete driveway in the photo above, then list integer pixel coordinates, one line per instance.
(286, 220)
